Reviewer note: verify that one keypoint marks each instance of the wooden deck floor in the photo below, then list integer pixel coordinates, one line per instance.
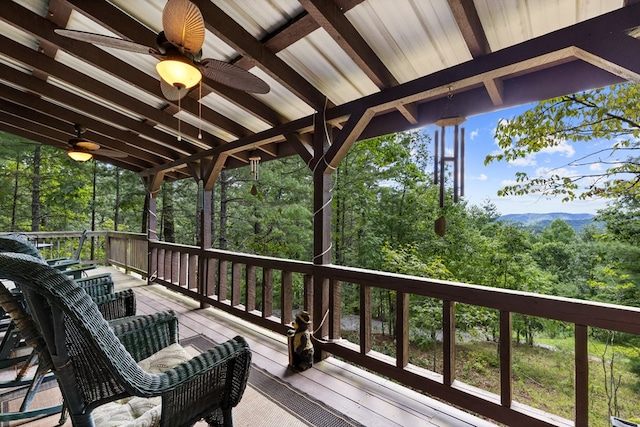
(366, 398)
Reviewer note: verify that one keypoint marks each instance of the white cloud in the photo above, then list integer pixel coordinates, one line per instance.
(525, 161)
(595, 167)
(561, 147)
(481, 177)
(545, 172)
(474, 134)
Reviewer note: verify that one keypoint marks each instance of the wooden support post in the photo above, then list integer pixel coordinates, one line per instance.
(322, 186)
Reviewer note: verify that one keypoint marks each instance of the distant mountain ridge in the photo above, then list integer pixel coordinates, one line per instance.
(538, 221)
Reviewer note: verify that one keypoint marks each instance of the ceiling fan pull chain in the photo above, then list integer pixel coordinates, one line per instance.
(200, 110)
(179, 132)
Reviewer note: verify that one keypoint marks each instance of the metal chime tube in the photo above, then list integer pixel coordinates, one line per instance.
(455, 163)
(442, 163)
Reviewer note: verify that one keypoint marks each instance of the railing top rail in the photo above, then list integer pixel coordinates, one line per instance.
(303, 267)
(582, 312)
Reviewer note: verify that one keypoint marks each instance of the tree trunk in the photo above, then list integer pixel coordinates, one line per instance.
(14, 204)
(35, 195)
(222, 238)
(116, 210)
(145, 214)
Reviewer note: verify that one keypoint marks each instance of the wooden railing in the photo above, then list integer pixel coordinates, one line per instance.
(129, 251)
(267, 292)
(261, 290)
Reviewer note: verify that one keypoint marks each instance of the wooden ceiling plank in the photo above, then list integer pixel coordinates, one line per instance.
(466, 16)
(232, 33)
(327, 14)
(122, 24)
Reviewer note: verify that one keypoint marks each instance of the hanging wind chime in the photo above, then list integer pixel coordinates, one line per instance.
(254, 164)
(448, 124)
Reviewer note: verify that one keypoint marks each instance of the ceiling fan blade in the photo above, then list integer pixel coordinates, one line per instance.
(232, 76)
(183, 25)
(107, 41)
(172, 93)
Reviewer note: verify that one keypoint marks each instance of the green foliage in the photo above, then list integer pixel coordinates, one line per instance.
(609, 114)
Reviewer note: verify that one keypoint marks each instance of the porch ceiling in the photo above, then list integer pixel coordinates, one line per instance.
(367, 67)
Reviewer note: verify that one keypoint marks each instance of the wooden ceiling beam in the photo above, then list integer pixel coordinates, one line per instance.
(232, 33)
(328, 15)
(466, 16)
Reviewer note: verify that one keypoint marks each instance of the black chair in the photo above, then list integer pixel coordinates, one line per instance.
(96, 362)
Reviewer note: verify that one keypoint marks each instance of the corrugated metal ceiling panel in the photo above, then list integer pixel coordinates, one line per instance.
(413, 38)
(509, 22)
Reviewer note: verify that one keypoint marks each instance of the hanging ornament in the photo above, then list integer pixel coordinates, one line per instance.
(254, 164)
(446, 123)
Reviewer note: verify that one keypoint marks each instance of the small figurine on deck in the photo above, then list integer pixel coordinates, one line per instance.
(300, 345)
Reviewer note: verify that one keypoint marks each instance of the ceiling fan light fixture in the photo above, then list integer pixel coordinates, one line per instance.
(79, 155)
(177, 71)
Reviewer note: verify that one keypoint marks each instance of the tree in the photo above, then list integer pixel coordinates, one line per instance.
(609, 114)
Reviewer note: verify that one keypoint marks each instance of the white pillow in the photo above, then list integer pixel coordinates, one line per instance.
(139, 411)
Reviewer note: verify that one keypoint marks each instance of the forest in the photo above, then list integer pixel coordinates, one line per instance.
(384, 206)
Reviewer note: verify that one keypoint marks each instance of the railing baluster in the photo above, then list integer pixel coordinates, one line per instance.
(287, 297)
(402, 329)
(175, 267)
(223, 279)
(251, 288)
(308, 292)
(236, 283)
(192, 271)
(365, 319)
(582, 376)
(335, 315)
(183, 273)
(449, 341)
(506, 364)
(267, 292)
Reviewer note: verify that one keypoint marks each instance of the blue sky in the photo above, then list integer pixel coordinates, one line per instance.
(483, 182)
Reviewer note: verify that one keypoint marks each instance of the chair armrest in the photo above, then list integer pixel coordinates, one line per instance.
(209, 385)
(97, 285)
(117, 305)
(147, 334)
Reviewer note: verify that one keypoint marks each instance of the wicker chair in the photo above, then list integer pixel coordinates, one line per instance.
(96, 362)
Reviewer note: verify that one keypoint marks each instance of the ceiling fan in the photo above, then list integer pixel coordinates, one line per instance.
(83, 149)
(179, 49)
